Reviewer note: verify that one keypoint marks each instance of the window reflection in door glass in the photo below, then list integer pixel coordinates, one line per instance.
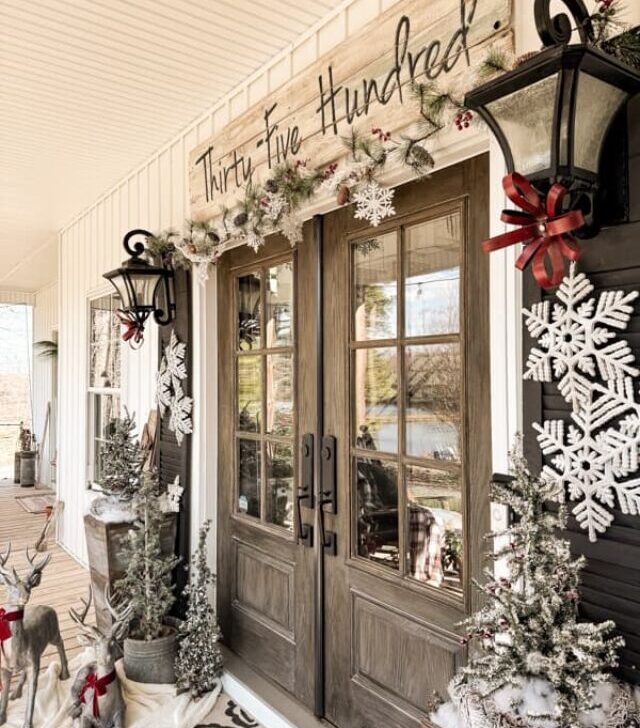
(280, 474)
(432, 276)
(280, 395)
(249, 469)
(375, 288)
(248, 301)
(249, 393)
(377, 511)
(434, 526)
(433, 383)
(279, 295)
(375, 397)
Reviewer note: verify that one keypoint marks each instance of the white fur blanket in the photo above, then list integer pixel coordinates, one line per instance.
(147, 705)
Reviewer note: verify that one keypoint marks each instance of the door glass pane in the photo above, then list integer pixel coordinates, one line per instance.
(280, 473)
(279, 292)
(280, 394)
(249, 393)
(432, 276)
(249, 470)
(377, 511)
(433, 391)
(249, 312)
(434, 526)
(375, 288)
(375, 396)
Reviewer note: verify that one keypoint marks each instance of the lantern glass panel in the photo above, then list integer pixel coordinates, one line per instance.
(596, 105)
(119, 282)
(144, 287)
(526, 118)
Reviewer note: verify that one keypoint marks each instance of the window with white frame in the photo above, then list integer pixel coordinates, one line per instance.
(104, 377)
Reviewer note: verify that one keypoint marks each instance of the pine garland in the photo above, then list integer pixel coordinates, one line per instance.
(122, 460)
(147, 583)
(529, 626)
(199, 661)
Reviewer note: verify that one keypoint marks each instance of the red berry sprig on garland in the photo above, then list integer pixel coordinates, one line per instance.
(463, 120)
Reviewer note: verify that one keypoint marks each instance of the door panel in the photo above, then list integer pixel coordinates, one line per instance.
(265, 582)
(407, 378)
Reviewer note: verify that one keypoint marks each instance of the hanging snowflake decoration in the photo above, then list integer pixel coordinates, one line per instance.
(164, 389)
(180, 414)
(170, 394)
(254, 240)
(574, 338)
(593, 457)
(174, 354)
(173, 496)
(291, 227)
(374, 203)
(274, 206)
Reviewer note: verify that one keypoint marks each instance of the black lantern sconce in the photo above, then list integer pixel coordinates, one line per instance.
(144, 288)
(552, 113)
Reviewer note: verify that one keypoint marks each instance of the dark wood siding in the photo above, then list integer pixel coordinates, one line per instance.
(611, 579)
(172, 459)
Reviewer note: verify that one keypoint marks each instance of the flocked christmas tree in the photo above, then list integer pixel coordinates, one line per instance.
(147, 583)
(199, 661)
(529, 628)
(122, 460)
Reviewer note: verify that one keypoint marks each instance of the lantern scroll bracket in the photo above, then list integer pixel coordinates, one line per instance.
(138, 248)
(557, 29)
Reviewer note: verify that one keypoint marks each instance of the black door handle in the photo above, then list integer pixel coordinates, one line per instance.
(328, 492)
(304, 496)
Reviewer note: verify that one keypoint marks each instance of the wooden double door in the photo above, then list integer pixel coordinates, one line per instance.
(354, 451)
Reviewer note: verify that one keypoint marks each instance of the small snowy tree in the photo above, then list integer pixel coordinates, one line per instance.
(529, 627)
(147, 583)
(199, 661)
(122, 460)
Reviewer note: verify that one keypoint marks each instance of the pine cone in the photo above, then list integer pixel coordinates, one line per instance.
(344, 195)
(271, 186)
(241, 219)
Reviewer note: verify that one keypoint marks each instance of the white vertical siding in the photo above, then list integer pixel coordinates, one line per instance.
(45, 327)
(17, 297)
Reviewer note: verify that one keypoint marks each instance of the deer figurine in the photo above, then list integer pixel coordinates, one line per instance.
(31, 630)
(96, 693)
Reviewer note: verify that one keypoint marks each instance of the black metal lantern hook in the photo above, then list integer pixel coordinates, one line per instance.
(138, 248)
(557, 30)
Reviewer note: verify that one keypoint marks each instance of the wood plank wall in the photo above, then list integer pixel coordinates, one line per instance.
(611, 579)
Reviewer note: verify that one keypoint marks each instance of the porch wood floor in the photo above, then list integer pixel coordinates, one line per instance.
(64, 581)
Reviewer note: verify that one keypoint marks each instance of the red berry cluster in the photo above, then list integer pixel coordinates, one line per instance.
(606, 5)
(463, 120)
(383, 136)
(330, 170)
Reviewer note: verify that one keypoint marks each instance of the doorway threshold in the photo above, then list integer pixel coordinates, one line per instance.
(271, 706)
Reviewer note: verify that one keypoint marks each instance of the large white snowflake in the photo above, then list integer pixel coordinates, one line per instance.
(374, 203)
(595, 455)
(574, 338)
(174, 354)
(180, 414)
(169, 391)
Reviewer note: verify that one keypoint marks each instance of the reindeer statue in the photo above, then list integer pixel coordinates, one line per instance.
(30, 629)
(96, 694)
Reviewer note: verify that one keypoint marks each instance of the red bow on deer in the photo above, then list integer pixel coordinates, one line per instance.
(544, 229)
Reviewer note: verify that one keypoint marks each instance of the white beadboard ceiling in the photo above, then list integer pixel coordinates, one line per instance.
(90, 88)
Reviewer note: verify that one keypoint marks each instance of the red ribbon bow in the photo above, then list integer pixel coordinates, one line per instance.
(5, 622)
(99, 686)
(134, 333)
(544, 230)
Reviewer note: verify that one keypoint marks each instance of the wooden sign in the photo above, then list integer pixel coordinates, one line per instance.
(365, 81)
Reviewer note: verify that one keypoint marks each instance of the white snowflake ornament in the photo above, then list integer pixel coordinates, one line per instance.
(291, 228)
(174, 494)
(574, 338)
(174, 354)
(180, 422)
(374, 203)
(275, 205)
(164, 389)
(254, 240)
(594, 457)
